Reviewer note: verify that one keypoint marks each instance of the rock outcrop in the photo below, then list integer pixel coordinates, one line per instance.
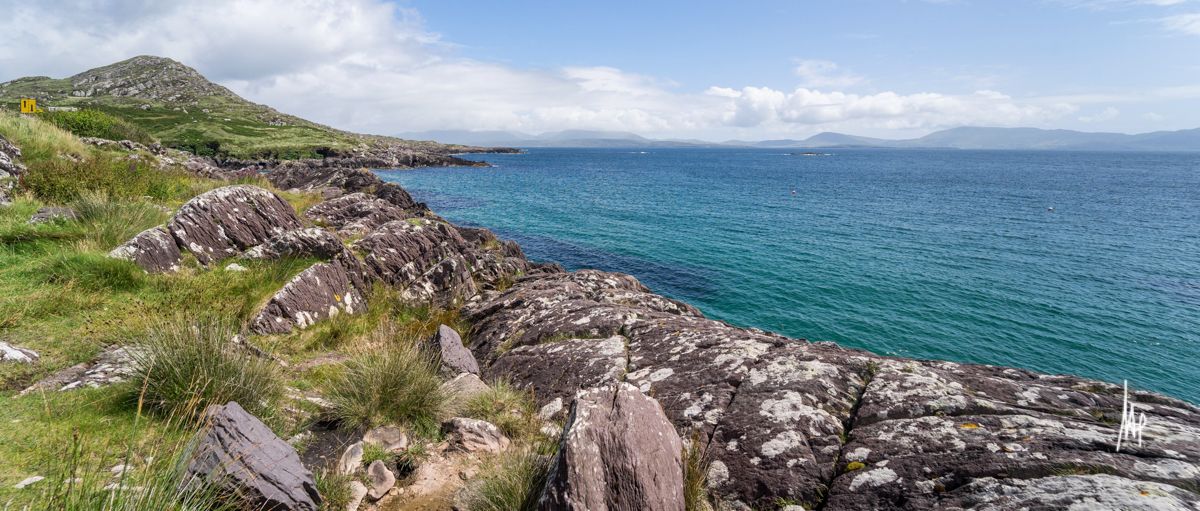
(321, 291)
(310, 242)
(355, 213)
(311, 175)
(618, 451)
(830, 427)
(10, 169)
(224, 222)
(240, 454)
(114, 364)
(154, 250)
(10, 353)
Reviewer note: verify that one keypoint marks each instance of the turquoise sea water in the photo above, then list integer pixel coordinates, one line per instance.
(932, 254)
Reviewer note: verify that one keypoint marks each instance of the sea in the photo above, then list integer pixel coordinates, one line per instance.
(1082, 263)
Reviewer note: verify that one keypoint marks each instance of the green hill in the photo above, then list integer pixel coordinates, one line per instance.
(177, 105)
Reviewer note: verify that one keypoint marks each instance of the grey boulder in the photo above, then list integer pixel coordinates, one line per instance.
(154, 250)
(618, 451)
(321, 291)
(474, 435)
(449, 348)
(10, 353)
(224, 222)
(52, 214)
(240, 454)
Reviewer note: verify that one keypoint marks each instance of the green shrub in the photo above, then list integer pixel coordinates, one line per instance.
(62, 181)
(374, 452)
(512, 482)
(509, 408)
(94, 123)
(394, 383)
(92, 271)
(183, 367)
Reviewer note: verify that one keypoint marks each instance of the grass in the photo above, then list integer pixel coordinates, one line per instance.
(334, 489)
(695, 474)
(511, 409)
(390, 382)
(184, 366)
(374, 452)
(512, 481)
(94, 123)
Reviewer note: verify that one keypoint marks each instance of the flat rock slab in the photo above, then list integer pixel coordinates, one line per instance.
(618, 451)
(239, 453)
(52, 214)
(153, 250)
(113, 365)
(224, 222)
(824, 426)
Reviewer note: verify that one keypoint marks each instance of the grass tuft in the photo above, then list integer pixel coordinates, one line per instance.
(183, 367)
(511, 409)
(391, 382)
(91, 271)
(695, 475)
(513, 481)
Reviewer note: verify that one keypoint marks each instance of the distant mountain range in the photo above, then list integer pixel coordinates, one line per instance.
(956, 138)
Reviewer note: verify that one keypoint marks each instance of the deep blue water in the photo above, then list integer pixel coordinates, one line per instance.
(932, 254)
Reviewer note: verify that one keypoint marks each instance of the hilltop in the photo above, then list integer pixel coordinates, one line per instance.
(184, 110)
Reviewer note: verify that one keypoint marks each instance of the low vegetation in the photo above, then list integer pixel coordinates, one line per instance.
(94, 123)
(184, 366)
(389, 381)
(509, 408)
(510, 482)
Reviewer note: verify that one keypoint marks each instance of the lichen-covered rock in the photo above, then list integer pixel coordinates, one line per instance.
(618, 451)
(52, 214)
(421, 258)
(113, 365)
(355, 213)
(310, 242)
(224, 222)
(559, 368)
(154, 250)
(10, 353)
(474, 435)
(10, 166)
(317, 175)
(455, 357)
(825, 426)
(321, 291)
(240, 454)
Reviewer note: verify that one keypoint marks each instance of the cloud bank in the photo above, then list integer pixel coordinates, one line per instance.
(368, 65)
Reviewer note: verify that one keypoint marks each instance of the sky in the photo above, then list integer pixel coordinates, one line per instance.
(746, 70)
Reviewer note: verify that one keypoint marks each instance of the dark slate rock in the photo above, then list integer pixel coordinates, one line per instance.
(455, 357)
(52, 214)
(560, 368)
(321, 291)
(312, 242)
(224, 222)
(154, 250)
(316, 175)
(422, 258)
(447, 285)
(618, 451)
(239, 453)
(834, 428)
(355, 213)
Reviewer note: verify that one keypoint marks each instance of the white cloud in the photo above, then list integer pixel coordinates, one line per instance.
(1186, 23)
(367, 65)
(823, 73)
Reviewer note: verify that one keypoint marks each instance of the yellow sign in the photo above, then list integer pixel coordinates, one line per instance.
(29, 106)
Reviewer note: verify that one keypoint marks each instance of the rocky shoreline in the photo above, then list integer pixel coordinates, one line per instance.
(782, 423)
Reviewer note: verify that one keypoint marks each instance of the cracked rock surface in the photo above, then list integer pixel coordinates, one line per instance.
(819, 425)
(224, 222)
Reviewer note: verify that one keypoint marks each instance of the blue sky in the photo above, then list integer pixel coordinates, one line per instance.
(713, 70)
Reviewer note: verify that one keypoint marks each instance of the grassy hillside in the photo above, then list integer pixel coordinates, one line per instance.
(182, 109)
